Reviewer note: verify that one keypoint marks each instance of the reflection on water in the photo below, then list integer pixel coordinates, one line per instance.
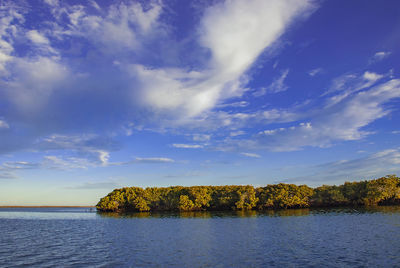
(207, 214)
(90, 213)
(59, 237)
(253, 213)
(180, 214)
(49, 213)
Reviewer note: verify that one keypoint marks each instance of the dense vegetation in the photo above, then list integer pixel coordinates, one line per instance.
(382, 191)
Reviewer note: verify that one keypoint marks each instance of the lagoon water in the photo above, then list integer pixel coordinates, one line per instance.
(79, 237)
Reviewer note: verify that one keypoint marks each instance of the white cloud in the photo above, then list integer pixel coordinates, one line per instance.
(34, 82)
(95, 5)
(237, 133)
(238, 104)
(232, 121)
(48, 162)
(278, 85)
(52, 2)
(37, 37)
(143, 160)
(315, 71)
(3, 124)
(187, 146)
(353, 82)
(66, 163)
(81, 161)
(48, 86)
(370, 167)
(103, 157)
(145, 19)
(42, 44)
(83, 54)
(236, 34)
(260, 92)
(201, 137)
(350, 83)
(381, 55)
(121, 29)
(88, 150)
(153, 160)
(18, 165)
(251, 155)
(371, 77)
(9, 28)
(342, 121)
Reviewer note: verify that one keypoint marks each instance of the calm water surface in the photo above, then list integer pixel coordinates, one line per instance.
(78, 237)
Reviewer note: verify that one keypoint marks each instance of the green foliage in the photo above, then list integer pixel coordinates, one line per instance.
(382, 191)
(246, 198)
(284, 196)
(140, 204)
(185, 204)
(329, 196)
(385, 190)
(201, 196)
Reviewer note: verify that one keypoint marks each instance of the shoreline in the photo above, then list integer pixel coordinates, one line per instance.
(47, 206)
(382, 191)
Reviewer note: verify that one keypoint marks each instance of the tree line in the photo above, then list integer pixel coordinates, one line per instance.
(382, 191)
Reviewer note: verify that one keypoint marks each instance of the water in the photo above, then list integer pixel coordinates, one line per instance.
(78, 237)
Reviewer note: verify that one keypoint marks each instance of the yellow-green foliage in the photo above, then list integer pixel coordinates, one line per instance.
(385, 190)
(328, 196)
(284, 196)
(185, 204)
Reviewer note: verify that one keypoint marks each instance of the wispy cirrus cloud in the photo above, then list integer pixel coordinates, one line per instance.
(315, 72)
(90, 146)
(66, 163)
(10, 170)
(153, 160)
(122, 90)
(187, 146)
(117, 78)
(380, 55)
(253, 155)
(18, 165)
(352, 82)
(201, 137)
(277, 85)
(234, 42)
(372, 166)
(144, 160)
(340, 120)
(4, 124)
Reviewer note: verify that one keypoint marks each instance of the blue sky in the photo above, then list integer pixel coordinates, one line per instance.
(96, 95)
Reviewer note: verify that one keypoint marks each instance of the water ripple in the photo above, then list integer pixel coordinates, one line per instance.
(328, 238)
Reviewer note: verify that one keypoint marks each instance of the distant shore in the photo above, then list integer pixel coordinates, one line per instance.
(382, 191)
(47, 206)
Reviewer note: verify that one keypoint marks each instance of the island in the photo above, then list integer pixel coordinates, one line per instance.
(382, 191)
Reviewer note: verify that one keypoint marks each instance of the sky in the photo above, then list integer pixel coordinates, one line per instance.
(97, 95)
